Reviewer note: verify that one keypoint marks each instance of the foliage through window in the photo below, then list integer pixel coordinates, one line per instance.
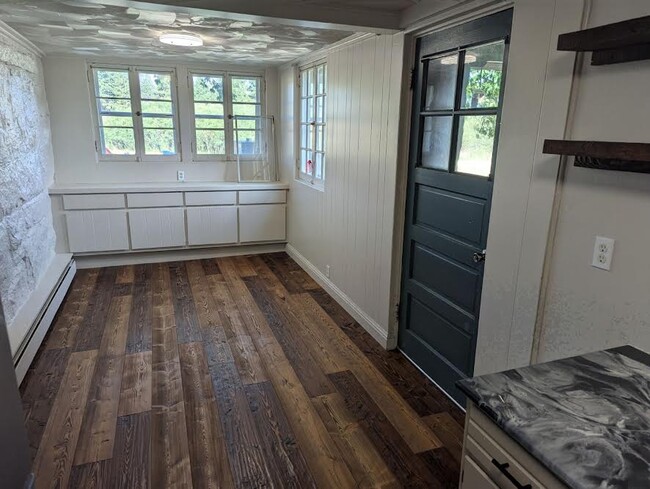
(136, 113)
(313, 118)
(227, 116)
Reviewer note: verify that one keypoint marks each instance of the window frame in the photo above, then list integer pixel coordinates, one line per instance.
(301, 176)
(136, 112)
(229, 130)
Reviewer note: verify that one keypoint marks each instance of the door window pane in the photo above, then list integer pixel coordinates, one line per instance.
(436, 142)
(245, 90)
(476, 144)
(159, 142)
(482, 76)
(440, 90)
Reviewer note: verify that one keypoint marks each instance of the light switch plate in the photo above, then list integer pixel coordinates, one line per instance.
(603, 252)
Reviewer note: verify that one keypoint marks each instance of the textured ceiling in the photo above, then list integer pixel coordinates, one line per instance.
(78, 27)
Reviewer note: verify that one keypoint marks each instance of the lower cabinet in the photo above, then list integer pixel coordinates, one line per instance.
(211, 225)
(107, 222)
(157, 228)
(97, 230)
(262, 223)
(474, 477)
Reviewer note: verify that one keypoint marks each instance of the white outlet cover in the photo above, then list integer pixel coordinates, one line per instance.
(180, 175)
(603, 253)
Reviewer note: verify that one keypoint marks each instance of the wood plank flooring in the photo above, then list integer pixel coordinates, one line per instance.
(230, 372)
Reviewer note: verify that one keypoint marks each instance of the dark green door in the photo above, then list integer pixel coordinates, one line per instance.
(457, 99)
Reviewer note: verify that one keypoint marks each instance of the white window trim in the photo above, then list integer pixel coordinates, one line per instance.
(300, 176)
(134, 85)
(228, 110)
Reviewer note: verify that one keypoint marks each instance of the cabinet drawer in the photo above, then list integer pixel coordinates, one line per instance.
(162, 199)
(92, 231)
(262, 223)
(262, 197)
(157, 228)
(474, 477)
(210, 198)
(486, 441)
(211, 225)
(94, 201)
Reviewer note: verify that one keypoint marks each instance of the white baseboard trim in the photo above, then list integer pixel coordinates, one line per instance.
(162, 256)
(369, 324)
(29, 327)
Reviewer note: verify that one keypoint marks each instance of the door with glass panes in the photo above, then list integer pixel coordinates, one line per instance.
(457, 98)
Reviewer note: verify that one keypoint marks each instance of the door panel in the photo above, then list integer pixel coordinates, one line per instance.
(454, 214)
(450, 279)
(454, 134)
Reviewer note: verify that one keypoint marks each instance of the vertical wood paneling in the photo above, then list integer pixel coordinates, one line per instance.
(349, 226)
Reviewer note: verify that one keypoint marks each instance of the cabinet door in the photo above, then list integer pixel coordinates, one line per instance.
(157, 228)
(92, 231)
(211, 225)
(262, 223)
(474, 478)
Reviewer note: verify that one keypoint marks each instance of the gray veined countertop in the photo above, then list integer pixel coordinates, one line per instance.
(586, 418)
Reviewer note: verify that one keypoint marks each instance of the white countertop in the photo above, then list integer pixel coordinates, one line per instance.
(107, 188)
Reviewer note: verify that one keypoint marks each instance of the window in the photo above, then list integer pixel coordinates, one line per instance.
(461, 102)
(136, 114)
(312, 134)
(227, 116)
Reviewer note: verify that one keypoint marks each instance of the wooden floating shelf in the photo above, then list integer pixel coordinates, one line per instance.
(612, 43)
(601, 155)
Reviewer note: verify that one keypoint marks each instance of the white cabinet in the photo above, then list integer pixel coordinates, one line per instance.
(96, 201)
(156, 199)
(492, 459)
(138, 218)
(211, 225)
(97, 230)
(262, 197)
(474, 477)
(210, 198)
(157, 228)
(262, 223)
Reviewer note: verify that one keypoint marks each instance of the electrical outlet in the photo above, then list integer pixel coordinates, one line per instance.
(603, 252)
(327, 271)
(180, 175)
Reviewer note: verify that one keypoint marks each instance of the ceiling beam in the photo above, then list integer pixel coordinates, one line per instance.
(278, 12)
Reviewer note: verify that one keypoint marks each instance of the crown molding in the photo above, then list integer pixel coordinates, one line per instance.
(17, 38)
(323, 52)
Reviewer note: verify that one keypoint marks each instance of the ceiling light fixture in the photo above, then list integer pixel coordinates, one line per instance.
(181, 39)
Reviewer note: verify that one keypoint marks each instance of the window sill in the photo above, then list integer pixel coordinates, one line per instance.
(316, 186)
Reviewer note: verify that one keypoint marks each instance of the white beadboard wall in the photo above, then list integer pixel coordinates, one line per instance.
(348, 226)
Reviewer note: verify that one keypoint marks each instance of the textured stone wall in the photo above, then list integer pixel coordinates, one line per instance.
(26, 234)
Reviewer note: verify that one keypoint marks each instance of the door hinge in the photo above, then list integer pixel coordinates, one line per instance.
(398, 311)
(412, 79)
(96, 147)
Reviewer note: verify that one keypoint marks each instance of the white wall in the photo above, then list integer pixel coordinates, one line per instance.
(589, 309)
(26, 233)
(75, 158)
(349, 225)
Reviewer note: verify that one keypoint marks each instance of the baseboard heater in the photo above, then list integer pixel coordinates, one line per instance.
(27, 350)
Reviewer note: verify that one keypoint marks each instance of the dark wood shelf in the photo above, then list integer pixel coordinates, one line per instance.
(612, 43)
(602, 155)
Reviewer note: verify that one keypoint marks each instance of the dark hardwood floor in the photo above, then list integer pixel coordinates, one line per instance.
(233, 372)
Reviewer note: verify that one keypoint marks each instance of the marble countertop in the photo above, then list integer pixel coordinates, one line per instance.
(586, 418)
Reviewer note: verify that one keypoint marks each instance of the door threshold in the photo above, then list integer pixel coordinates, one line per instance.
(432, 381)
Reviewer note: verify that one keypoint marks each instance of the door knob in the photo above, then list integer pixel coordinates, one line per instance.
(479, 257)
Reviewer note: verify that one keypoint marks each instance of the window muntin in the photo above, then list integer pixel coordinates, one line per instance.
(460, 109)
(136, 114)
(227, 116)
(313, 121)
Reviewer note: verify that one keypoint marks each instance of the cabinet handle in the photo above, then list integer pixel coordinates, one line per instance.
(503, 468)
